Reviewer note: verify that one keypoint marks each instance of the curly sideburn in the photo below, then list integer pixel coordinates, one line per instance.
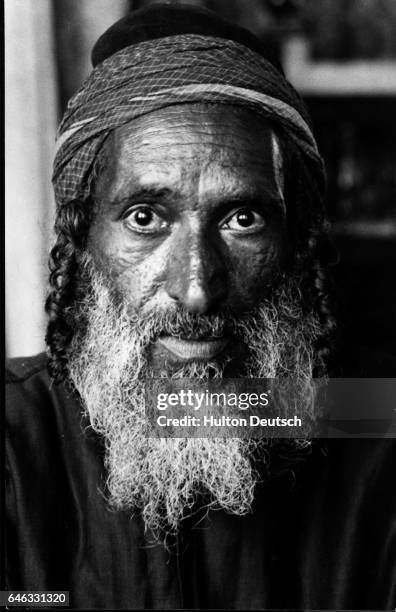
(71, 227)
(307, 231)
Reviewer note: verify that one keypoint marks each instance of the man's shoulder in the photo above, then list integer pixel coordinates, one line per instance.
(32, 399)
(20, 369)
(27, 389)
(44, 438)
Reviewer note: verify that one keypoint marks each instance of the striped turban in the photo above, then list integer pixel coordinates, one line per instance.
(177, 69)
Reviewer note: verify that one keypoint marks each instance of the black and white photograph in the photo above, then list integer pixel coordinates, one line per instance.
(200, 301)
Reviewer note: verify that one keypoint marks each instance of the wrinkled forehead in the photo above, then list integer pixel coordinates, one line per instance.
(181, 140)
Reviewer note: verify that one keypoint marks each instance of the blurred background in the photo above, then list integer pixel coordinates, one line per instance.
(340, 55)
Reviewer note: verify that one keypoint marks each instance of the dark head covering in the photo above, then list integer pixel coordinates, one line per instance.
(166, 19)
(166, 55)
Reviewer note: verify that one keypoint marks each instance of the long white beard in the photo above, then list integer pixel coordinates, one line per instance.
(166, 478)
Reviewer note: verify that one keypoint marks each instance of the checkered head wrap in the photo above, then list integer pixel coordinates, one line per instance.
(179, 69)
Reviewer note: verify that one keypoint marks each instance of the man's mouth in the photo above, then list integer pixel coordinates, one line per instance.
(193, 350)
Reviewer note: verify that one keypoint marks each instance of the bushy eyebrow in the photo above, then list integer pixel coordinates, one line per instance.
(143, 193)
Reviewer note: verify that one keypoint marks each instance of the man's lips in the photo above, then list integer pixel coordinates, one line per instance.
(193, 350)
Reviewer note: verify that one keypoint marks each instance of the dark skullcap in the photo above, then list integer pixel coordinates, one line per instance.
(161, 20)
(167, 55)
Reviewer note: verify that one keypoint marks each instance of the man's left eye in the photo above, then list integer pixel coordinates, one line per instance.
(144, 220)
(244, 220)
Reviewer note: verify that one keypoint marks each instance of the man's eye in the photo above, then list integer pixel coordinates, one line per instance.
(244, 220)
(143, 219)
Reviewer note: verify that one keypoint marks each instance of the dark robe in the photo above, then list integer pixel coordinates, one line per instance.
(322, 536)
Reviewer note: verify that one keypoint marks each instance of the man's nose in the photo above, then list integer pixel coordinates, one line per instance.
(196, 274)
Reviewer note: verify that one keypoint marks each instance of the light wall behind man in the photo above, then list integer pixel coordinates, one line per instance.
(32, 110)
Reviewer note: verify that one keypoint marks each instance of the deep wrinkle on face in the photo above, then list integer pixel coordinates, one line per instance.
(190, 210)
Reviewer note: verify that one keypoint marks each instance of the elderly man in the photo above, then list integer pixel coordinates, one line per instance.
(190, 243)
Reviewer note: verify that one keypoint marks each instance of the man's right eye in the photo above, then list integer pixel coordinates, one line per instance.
(144, 220)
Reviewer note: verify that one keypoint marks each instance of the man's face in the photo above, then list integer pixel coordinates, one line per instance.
(191, 215)
(180, 280)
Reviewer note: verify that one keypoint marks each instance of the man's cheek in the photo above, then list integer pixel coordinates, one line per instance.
(253, 275)
(138, 284)
(134, 272)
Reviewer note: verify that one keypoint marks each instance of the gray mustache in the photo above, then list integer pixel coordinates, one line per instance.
(190, 326)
